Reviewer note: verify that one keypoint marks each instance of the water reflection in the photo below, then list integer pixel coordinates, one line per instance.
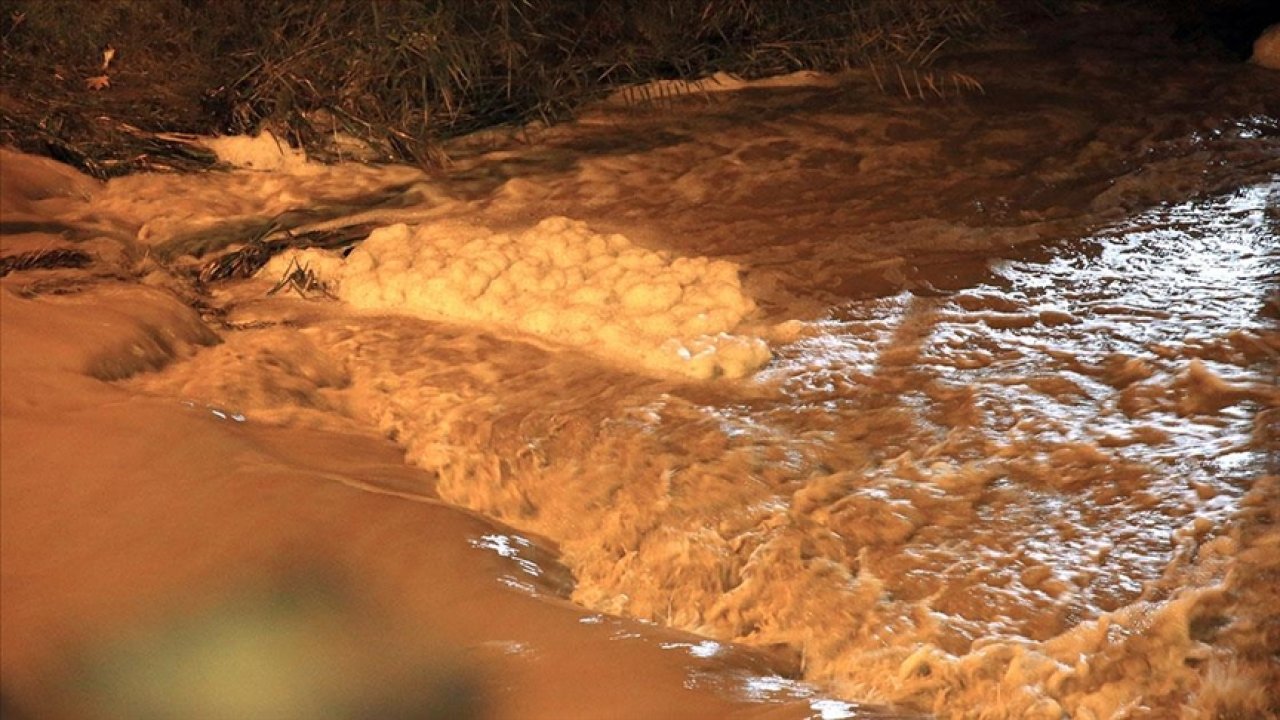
(773, 688)
(1104, 399)
(704, 649)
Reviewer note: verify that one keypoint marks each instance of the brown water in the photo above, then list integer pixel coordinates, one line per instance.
(1015, 454)
(919, 486)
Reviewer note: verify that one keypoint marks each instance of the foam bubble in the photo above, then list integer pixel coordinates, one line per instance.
(560, 281)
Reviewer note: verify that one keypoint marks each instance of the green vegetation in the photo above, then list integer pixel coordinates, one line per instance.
(402, 76)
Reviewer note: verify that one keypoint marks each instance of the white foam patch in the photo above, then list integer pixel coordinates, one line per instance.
(256, 152)
(560, 281)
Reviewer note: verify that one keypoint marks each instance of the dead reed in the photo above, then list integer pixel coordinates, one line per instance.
(95, 82)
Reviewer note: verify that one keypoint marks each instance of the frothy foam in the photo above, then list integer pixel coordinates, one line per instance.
(559, 281)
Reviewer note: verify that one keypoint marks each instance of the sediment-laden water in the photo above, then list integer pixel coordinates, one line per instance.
(1012, 455)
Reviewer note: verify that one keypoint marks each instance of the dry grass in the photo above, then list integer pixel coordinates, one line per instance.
(48, 259)
(402, 76)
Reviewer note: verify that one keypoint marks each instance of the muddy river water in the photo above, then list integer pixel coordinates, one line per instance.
(1013, 455)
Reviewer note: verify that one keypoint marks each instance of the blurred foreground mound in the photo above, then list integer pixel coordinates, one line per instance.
(293, 648)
